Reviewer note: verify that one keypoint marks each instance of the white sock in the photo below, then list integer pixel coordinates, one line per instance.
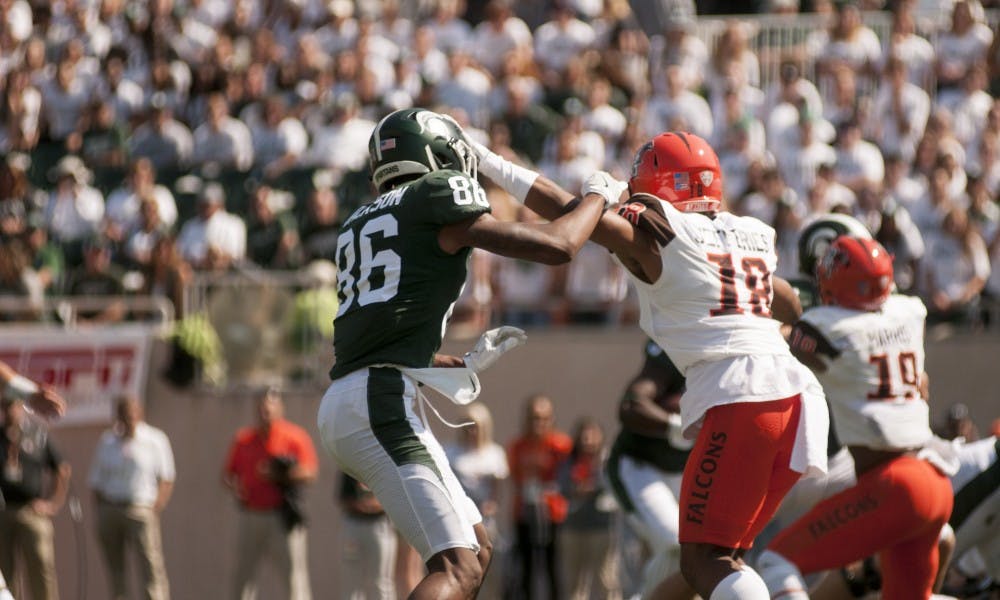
(745, 584)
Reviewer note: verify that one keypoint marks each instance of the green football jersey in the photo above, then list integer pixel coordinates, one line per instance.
(395, 284)
(807, 291)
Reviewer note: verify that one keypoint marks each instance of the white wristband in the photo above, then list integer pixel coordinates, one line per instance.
(514, 179)
(20, 387)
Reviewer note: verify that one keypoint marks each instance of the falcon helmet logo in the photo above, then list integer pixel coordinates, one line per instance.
(706, 177)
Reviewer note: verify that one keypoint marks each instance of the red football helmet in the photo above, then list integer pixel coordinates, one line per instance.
(855, 273)
(680, 168)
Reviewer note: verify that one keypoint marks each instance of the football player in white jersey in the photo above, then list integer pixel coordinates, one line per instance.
(867, 347)
(709, 297)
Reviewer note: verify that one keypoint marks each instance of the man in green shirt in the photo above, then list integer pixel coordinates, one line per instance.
(402, 264)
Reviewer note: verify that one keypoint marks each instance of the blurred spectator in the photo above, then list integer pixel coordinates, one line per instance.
(46, 257)
(968, 104)
(678, 109)
(33, 482)
(903, 240)
(799, 160)
(588, 555)
(563, 37)
(103, 141)
(523, 289)
(95, 279)
(74, 210)
(20, 112)
(480, 465)
(320, 225)
(222, 140)
(535, 458)
(499, 33)
(122, 211)
(904, 189)
(448, 29)
(569, 164)
(899, 114)
(600, 116)
(121, 95)
(732, 60)
(962, 45)
(132, 476)
(265, 469)
(956, 267)
(905, 44)
(143, 236)
(465, 86)
(929, 210)
(342, 143)
(625, 62)
(279, 139)
(166, 142)
(368, 545)
(214, 239)
(529, 123)
(678, 46)
(793, 89)
(167, 274)
(850, 44)
(272, 240)
(841, 102)
(64, 100)
(20, 288)
(595, 287)
(859, 163)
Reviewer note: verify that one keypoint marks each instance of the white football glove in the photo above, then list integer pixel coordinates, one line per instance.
(603, 184)
(492, 345)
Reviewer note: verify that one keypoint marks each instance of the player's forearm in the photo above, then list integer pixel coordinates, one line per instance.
(447, 361)
(639, 412)
(786, 306)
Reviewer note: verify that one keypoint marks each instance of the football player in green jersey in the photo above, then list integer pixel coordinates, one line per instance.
(647, 461)
(402, 263)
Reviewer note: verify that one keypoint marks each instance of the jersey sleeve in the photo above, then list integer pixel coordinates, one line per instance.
(647, 213)
(450, 197)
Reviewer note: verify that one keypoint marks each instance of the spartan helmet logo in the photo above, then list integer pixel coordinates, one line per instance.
(706, 178)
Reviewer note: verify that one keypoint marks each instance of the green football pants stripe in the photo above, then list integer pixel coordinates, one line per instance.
(613, 471)
(974, 492)
(387, 414)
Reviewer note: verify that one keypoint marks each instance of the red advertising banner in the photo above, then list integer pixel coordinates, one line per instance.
(90, 367)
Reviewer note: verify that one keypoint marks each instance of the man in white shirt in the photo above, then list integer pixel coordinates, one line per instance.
(679, 108)
(215, 238)
(164, 140)
(562, 38)
(859, 162)
(898, 119)
(222, 139)
(499, 34)
(121, 211)
(74, 209)
(132, 476)
(343, 144)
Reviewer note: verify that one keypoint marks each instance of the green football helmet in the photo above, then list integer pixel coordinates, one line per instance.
(817, 236)
(412, 142)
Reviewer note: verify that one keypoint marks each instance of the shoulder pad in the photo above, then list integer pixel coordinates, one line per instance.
(647, 212)
(447, 197)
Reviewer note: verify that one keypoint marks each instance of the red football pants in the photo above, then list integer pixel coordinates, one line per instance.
(896, 510)
(737, 472)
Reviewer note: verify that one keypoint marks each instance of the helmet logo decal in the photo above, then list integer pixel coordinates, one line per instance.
(681, 181)
(387, 144)
(638, 157)
(707, 177)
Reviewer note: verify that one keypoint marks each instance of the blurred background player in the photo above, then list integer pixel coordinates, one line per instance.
(402, 263)
(867, 347)
(647, 461)
(368, 545)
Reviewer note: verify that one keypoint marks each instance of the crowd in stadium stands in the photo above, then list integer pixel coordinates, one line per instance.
(145, 143)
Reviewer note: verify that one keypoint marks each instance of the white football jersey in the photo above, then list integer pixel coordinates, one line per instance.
(874, 363)
(713, 298)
